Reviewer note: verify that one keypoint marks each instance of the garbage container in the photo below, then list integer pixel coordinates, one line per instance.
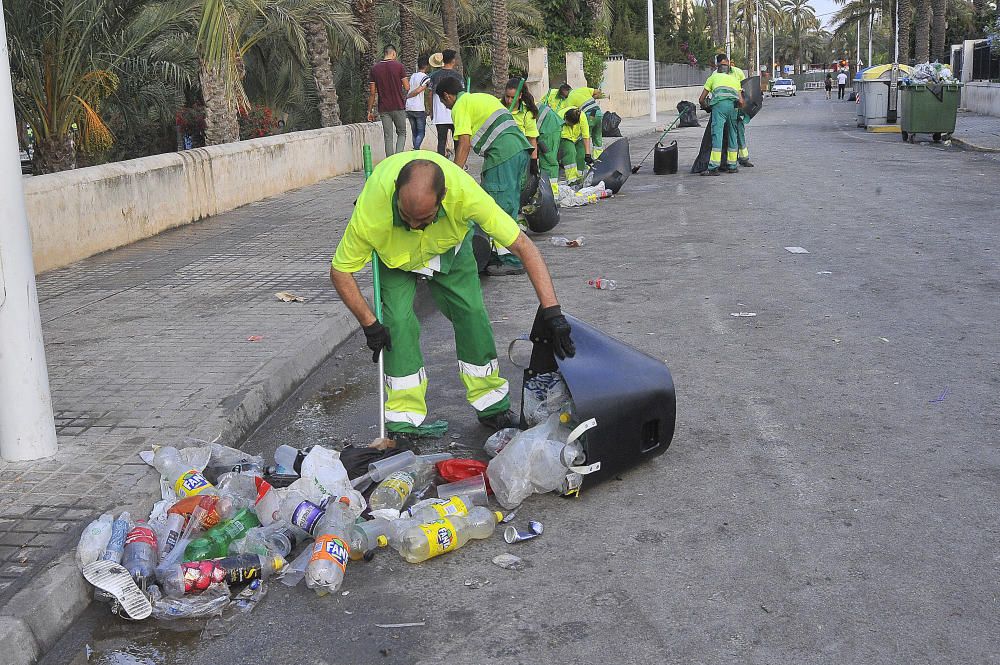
(928, 109)
(874, 102)
(629, 393)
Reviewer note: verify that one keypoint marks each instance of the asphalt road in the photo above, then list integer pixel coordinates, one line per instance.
(831, 492)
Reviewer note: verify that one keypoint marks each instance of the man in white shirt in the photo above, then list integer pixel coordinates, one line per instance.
(416, 107)
(841, 84)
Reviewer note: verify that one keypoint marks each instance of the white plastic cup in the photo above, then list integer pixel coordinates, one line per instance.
(472, 488)
(385, 467)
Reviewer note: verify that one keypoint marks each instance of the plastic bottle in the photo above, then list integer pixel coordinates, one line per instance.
(290, 458)
(560, 241)
(434, 510)
(211, 509)
(368, 536)
(116, 543)
(94, 539)
(195, 576)
(301, 513)
(140, 557)
(215, 542)
(331, 550)
(393, 492)
(185, 480)
(268, 504)
(601, 283)
(275, 539)
(172, 531)
(420, 542)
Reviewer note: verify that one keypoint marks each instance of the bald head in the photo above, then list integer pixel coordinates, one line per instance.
(420, 189)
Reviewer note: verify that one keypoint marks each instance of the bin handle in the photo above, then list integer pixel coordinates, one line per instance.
(510, 349)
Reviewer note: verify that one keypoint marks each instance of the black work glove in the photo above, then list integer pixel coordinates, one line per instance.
(377, 338)
(533, 167)
(589, 159)
(559, 328)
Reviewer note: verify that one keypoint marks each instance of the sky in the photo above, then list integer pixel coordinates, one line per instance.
(824, 7)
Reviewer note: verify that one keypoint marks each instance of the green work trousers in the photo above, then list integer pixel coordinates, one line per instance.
(572, 153)
(742, 120)
(548, 161)
(723, 120)
(459, 297)
(504, 182)
(596, 123)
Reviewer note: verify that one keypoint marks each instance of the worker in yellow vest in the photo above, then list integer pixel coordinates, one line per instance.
(586, 100)
(723, 95)
(575, 150)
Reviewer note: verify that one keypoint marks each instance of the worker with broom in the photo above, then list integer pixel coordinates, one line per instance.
(416, 213)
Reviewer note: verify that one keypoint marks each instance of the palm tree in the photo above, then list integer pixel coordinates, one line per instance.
(802, 17)
(318, 47)
(922, 30)
(407, 36)
(745, 14)
(449, 17)
(939, 8)
(501, 57)
(905, 17)
(367, 21)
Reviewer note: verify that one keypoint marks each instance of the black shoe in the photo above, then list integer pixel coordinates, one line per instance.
(747, 163)
(710, 172)
(501, 420)
(501, 266)
(732, 170)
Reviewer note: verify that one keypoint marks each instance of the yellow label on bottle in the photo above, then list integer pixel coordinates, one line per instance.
(441, 536)
(453, 506)
(191, 483)
(401, 483)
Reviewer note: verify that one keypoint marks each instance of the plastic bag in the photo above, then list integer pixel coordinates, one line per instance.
(544, 394)
(499, 440)
(210, 602)
(610, 123)
(689, 114)
(94, 539)
(532, 462)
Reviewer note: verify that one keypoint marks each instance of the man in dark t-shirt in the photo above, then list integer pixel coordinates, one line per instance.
(388, 82)
(441, 116)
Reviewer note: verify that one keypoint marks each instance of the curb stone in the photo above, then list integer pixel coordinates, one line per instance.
(973, 146)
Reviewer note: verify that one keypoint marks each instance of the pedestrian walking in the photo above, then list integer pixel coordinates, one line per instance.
(441, 114)
(388, 82)
(416, 104)
(829, 86)
(726, 96)
(424, 192)
(841, 84)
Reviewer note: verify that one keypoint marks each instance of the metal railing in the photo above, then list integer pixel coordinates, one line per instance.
(667, 76)
(985, 63)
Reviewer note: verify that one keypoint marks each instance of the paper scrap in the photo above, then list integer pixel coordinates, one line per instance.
(285, 296)
(255, 338)
(400, 625)
(743, 314)
(797, 250)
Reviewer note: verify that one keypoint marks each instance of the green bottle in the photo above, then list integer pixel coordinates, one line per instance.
(215, 543)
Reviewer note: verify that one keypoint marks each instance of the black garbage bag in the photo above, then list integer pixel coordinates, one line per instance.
(614, 166)
(705, 152)
(530, 185)
(689, 114)
(753, 97)
(356, 460)
(609, 126)
(542, 212)
(629, 393)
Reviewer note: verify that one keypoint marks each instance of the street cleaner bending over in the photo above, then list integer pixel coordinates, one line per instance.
(483, 124)
(726, 97)
(416, 213)
(574, 145)
(586, 100)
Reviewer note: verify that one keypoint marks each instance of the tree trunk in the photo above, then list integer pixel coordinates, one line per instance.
(53, 154)
(364, 14)
(500, 55)
(905, 19)
(449, 16)
(596, 8)
(221, 123)
(938, 47)
(318, 47)
(407, 36)
(922, 31)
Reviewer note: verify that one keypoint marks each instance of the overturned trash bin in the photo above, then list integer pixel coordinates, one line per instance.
(614, 166)
(629, 393)
(753, 96)
(542, 211)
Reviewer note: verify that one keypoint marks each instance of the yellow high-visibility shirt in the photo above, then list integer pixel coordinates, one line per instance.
(723, 86)
(471, 110)
(580, 96)
(738, 73)
(376, 224)
(574, 133)
(525, 121)
(553, 100)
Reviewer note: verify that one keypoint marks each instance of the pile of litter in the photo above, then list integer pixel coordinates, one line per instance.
(227, 525)
(573, 198)
(931, 72)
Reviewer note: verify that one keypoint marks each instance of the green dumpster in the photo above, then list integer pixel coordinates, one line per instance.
(928, 109)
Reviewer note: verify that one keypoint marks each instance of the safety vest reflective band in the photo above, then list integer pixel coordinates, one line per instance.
(589, 106)
(542, 114)
(498, 122)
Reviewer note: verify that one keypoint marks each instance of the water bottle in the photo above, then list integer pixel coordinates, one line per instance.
(560, 241)
(301, 513)
(393, 492)
(456, 505)
(601, 283)
(368, 536)
(185, 480)
(116, 544)
(420, 542)
(172, 531)
(331, 550)
(215, 542)
(139, 557)
(290, 458)
(94, 539)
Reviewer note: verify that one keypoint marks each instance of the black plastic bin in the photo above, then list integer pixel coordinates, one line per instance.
(629, 393)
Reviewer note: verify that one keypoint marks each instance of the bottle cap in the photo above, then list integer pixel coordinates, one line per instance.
(499, 516)
(382, 541)
(278, 563)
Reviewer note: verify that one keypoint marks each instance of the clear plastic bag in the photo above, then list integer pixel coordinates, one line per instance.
(532, 462)
(544, 395)
(210, 602)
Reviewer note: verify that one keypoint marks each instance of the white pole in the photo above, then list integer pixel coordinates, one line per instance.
(727, 30)
(774, 53)
(857, 46)
(895, 56)
(652, 62)
(871, 22)
(756, 41)
(26, 428)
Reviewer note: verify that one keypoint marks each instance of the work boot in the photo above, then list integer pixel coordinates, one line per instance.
(732, 169)
(710, 172)
(747, 163)
(501, 420)
(503, 265)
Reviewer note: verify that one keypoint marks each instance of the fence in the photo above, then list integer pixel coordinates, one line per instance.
(667, 76)
(985, 63)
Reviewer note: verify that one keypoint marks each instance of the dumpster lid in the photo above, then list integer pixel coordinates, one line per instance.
(880, 72)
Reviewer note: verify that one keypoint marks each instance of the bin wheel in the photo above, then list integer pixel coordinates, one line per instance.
(905, 135)
(937, 137)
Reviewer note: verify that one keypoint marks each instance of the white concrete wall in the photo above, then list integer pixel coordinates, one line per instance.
(76, 214)
(635, 103)
(981, 97)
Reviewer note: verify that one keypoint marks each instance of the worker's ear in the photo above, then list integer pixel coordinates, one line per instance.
(444, 193)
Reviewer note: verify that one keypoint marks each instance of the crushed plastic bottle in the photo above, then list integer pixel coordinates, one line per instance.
(215, 542)
(271, 540)
(116, 543)
(172, 530)
(420, 542)
(211, 509)
(393, 492)
(243, 604)
(94, 540)
(331, 551)
(290, 458)
(184, 480)
(436, 509)
(139, 557)
(601, 283)
(197, 576)
(498, 440)
(560, 241)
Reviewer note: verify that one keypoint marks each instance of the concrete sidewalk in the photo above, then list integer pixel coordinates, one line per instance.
(176, 336)
(977, 132)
